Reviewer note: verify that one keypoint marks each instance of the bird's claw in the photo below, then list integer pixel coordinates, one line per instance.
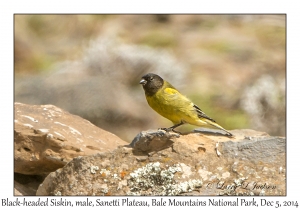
(170, 129)
(165, 129)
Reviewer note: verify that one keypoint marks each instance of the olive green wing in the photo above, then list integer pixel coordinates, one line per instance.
(171, 90)
(201, 114)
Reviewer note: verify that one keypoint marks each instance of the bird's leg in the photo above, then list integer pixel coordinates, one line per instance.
(173, 127)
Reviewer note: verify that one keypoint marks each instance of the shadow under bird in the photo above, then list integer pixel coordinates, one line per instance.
(167, 101)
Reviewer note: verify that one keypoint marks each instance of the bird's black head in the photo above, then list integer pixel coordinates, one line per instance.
(151, 83)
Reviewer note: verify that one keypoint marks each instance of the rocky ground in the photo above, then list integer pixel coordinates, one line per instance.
(57, 153)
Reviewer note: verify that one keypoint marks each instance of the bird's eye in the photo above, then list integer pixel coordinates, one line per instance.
(151, 78)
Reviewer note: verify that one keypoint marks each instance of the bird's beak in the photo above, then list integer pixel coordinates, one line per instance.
(143, 82)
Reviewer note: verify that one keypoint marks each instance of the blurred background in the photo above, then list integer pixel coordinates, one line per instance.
(232, 66)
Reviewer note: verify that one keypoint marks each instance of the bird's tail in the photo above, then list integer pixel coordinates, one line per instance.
(217, 126)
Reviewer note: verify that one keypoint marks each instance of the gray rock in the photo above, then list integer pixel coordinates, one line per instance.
(148, 141)
(259, 148)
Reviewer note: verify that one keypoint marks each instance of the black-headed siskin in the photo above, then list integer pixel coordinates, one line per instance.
(167, 101)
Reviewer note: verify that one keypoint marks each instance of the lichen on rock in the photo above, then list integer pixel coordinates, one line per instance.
(153, 180)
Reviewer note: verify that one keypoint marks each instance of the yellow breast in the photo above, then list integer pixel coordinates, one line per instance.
(172, 105)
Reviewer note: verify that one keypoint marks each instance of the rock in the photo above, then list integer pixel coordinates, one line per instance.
(250, 163)
(152, 140)
(47, 138)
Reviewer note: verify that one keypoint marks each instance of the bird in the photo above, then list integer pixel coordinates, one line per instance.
(167, 101)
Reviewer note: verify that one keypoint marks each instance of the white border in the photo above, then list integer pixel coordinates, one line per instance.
(8, 8)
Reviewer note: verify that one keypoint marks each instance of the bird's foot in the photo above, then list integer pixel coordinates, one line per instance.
(165, 129)
(170, 129)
